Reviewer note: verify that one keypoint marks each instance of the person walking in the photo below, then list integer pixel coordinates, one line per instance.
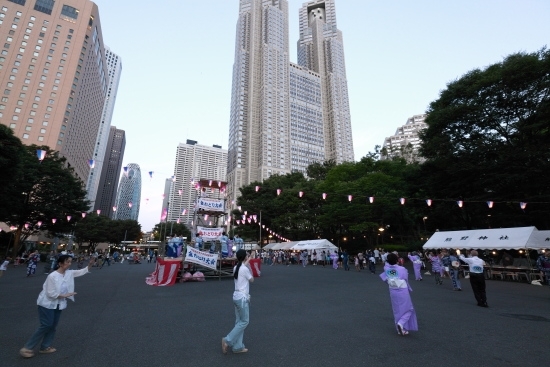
(477, 278)
(34, 258)
(58, 287)
(345, 259)
(455, 268)
(106, 259)
(417, 264)
(241, 300)
(436, 267)
(4, 266)
(404, 314)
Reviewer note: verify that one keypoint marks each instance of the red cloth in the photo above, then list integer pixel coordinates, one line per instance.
(256, 266)
(165, 273)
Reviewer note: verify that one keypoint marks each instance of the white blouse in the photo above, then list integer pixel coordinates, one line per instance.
(57, 284)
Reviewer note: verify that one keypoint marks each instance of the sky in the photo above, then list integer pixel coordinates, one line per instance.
(177, 59)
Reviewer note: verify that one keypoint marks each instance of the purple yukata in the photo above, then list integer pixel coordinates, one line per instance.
(417, 265)
(403, 310)
(334, 258)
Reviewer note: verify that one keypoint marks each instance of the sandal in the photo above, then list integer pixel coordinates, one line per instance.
(224, 346)
(47, 350)
(26, 353)
(244, 350)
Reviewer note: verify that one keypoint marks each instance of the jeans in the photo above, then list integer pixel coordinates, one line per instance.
(235, 338)
(46, 331)
(454, 278)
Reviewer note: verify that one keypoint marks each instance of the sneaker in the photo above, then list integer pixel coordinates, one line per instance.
(244, 350)
(26, 353)
(47, 350)
(224, 346)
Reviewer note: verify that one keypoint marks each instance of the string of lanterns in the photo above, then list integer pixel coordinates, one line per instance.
(429, 202)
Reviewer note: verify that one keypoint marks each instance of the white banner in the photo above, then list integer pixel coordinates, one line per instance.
(209, 233)
(202, 258)
(214, 205)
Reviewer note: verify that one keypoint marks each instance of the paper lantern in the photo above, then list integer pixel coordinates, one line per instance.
(255, 216)
(371, 199)
(180, 192)
(209, 182)
(490, 204)
(219, 184)
(41, 154)
(130, 204)
(238, 221)
(178, 221)
(98, 211)
(68, 218)
(114, 208)
(460, 203)
(324, 195)
(39, 223)
(249, 220)
(522, 205)
(125, 170)
(245, 212)
(402, 201)
(91, 163)
(278, 192)
(54, 220)
(206, 217)
(26, 225)
(257, 188)
(239, 207)
(429, 202)
(83, 215)
(301, 193)
(350, 197)
(184, 212)
(151, 174)
(244, 217)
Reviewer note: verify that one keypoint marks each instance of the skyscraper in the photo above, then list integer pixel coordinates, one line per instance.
(193, 162)
(100, 153)
(54, 75)
(405, 142)
(286, 116)
(128, 197)
(110, 172)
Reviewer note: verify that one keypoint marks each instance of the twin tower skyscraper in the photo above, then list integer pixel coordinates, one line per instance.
(285, 116)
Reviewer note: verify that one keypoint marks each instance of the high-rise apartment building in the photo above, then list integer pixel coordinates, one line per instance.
(193, 162)
(53, 75)
(286, 116)
(110, 172)
(405, 142)
(128, 197)
(114, 63)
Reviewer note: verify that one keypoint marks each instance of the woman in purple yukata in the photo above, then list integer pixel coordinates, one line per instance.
(437, 267)
(417, 265)
(334, 257)
(403, 310)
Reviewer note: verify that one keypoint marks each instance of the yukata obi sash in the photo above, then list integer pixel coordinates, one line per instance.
(394, 282)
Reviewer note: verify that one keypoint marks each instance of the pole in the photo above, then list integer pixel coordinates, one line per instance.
(260, 237)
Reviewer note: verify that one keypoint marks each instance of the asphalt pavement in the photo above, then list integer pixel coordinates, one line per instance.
(311, 316)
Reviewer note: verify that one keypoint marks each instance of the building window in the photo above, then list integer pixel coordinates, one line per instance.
(20, 2)
(44, 6)
(40, 138)
(25, 136)
(69, 11)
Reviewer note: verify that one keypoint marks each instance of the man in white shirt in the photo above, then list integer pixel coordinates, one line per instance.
(477, 278)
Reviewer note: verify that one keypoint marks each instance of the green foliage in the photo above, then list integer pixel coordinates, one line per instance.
(488, 140)
(171, 228)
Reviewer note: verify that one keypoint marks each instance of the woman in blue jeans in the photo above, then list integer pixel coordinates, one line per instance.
(58, 287)
(241, 301)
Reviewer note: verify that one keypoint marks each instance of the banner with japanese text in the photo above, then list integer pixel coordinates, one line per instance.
(201, 258)
(215, 205)
(209, 233)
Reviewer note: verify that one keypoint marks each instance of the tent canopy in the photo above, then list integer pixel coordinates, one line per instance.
(314, 245)
(489, 239)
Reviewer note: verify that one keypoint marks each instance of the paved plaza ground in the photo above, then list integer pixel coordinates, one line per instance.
(299, 317)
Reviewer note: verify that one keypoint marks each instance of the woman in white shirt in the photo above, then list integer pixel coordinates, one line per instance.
(59, 286)
(241, 300)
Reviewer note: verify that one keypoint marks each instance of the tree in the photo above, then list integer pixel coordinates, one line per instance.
(487, 139)
(175, 228)
(43, 191)
(120, 230)
(93, 229)
(11, 156)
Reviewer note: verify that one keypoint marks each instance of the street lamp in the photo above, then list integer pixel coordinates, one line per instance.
(424, 220)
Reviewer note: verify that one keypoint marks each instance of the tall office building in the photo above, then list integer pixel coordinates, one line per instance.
(405, 142)
(128, 198)
(321, 49)
(114, 64)
(54, 75)
(193, 162)
(110, 172)
(286, 116)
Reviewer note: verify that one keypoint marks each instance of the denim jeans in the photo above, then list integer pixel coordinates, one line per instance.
(235, 338)
(46, 331)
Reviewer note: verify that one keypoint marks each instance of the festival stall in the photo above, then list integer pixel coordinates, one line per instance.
(488, 239)
(322, 244)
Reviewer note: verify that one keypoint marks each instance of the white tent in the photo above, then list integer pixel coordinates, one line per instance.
(271, 245)
(283, 245)
(488, 239)
(314, 245)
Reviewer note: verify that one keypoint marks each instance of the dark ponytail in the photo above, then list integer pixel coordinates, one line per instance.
(241, 255)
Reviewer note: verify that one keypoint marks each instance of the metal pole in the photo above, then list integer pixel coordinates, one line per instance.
(260, 237)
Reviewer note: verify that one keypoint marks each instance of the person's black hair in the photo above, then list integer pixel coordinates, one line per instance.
(61, 260)
(241, 255)
(392, 259)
